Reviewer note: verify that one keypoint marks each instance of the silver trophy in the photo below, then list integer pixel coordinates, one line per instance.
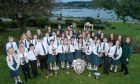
(54, 51)
(55, 68)
(97, 75)
(68, 67)
(23, 61)
(79, 66)
(89, 67)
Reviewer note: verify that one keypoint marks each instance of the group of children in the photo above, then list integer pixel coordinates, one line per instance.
(54, 47)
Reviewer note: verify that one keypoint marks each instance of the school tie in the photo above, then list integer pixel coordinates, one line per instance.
(115, 54)
(104, 46)
(57, 43)
(25, 44)
(24, 61)
(108, 50)
(44, 49)
(88, 47)
(69, 47)
(48, 42)
(14, 62)
(62, 48)
(35, 41)
(11, 45)
(97, 48)
(54, 38)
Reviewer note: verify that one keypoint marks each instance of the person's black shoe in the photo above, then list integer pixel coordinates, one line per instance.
(125, 73)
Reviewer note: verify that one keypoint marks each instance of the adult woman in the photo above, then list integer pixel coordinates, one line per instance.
(126, 47)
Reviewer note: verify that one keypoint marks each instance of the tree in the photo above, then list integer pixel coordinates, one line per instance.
(22, 9)
(122, 8)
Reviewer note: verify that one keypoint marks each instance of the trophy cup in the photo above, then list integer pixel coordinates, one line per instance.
(90, 70)
(55, 68)
(68, 67)
(54, 51)
(79, 65)
(97, 75)
(23, 61)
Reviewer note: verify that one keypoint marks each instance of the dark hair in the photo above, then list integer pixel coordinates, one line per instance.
(30, 45)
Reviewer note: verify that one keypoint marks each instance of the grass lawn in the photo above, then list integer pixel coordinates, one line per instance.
(73, 78)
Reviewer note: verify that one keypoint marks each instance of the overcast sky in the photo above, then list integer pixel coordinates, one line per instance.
(73, 0)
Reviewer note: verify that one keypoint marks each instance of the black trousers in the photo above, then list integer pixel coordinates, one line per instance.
(106, 64)
(44, 63)
(34, 68)
(25, 70)
(124, 67)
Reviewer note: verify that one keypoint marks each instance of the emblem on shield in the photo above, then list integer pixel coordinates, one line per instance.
(79, 66)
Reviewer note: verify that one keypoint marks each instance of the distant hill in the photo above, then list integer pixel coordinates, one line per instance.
(75, 4)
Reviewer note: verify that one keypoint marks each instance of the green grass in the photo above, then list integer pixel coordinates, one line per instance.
(73, 78)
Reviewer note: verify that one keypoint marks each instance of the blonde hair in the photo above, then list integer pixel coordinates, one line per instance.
(14, 54)
(10, 37)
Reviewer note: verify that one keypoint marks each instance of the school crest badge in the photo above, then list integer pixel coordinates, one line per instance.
(79, 66)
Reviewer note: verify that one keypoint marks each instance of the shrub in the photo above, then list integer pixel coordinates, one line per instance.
(136, 44)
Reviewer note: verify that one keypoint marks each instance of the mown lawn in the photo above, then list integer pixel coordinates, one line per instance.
(73, 78)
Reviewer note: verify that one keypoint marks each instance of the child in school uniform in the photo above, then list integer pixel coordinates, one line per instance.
(35, 40)
(32, 56)
(13, 62)
(42, 49)
(53, 37)
(22, 44)
(97, 60)
(108, 58)
(105, 47)
(52, 54)
(88, 52)
(62, 51)
(11, 44)
(78, 49)
(47, 38)
(116, 56)
(24, 61)
(69, 53)
(24, 40)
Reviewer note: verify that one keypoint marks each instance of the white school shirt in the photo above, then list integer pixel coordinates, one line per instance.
(110, 51)
(74, 42)
(10, 62)
(88, 50)
(47, 38)
(9, 45)
(39, 48)
(53, 38)
(35, 42)
(78, 46)
(106, 46)
(70, 48)
(119, 52)
(32, 55)
(57, 42)
(69, 36)
(88, 39)
(60, 50)
(26, 50)
(95, 46)
(51, 48)
(21, 55)
(26, 43)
